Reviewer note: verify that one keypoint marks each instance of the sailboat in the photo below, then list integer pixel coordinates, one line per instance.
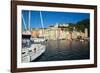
(30, 51)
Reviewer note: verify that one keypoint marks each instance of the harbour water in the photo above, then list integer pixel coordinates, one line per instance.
(57, 50)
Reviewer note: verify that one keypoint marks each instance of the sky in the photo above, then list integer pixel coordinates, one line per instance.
(51, 18)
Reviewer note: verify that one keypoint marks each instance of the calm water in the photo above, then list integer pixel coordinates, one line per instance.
(65, 50)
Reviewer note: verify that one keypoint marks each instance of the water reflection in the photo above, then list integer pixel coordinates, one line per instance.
(65, 50)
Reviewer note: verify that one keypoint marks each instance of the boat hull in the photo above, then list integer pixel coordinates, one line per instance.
(30, 54)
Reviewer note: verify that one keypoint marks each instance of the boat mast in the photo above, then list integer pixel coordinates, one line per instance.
(29, 20)
(24, 22)
(41, 18)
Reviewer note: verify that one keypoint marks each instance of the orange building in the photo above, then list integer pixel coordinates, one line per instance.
(34, 33)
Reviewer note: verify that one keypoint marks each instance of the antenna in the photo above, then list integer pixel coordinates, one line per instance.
(24, 22)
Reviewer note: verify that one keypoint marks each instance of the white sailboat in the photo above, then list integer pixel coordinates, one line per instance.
(31, 51)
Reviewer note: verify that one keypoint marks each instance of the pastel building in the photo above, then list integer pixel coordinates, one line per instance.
(58, 32)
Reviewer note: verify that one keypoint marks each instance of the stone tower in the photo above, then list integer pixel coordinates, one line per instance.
(86, 32)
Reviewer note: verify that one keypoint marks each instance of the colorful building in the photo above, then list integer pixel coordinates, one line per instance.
(58, 32)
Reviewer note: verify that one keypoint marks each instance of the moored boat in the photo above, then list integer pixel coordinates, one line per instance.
(33, 52)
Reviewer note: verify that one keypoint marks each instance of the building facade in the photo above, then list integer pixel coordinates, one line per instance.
(58, 32)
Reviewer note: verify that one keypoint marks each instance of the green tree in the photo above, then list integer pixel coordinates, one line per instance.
(81, 25)
(71, 26)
